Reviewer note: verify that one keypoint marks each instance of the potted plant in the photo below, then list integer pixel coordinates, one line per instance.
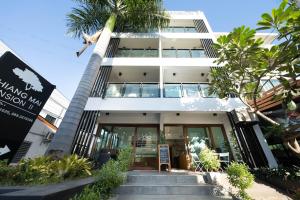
(240, 177)
(211, 164)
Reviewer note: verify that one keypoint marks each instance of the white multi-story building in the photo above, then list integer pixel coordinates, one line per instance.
(157, 82)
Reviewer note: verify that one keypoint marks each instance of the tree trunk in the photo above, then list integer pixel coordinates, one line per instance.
(63, 139)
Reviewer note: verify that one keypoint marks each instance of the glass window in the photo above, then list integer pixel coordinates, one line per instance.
(198, 53)
(132, 90)
(50, 119)
(151, 53)
(179, 29)
(150, 90)
(137, 53)
(114, 90)
(146, 142)
(183, 53)
(172, 90)
(168, 29)
(169, 53)
(190, 30)
(219, 141)
(267, 85)
(275, 82)
(125, 136)
(204, 91)
(190, 90)
(198, 139)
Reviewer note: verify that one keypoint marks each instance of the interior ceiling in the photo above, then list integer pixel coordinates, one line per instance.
(181, 43)
(184, 75)
(135, 74)
(182, 22)
(142, 43)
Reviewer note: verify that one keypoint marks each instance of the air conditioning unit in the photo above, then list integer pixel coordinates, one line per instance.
(244, 116)
(48, 137)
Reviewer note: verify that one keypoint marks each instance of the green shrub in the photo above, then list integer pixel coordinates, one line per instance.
(125, 159)
(72, 166)
(240, 177)
(35, 171)
(44, 170)
(7, 173)
(88, 193)
(108, 178)
(209, 160)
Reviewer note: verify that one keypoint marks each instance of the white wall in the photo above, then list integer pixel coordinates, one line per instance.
(182, 62)
(56, 106)
(36, 135)
(129, 118)
(162, 104)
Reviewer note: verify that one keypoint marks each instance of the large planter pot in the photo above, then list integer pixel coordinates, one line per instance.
(213, 177)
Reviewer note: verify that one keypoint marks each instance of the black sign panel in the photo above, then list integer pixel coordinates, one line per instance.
(164, 154)
(23, 93)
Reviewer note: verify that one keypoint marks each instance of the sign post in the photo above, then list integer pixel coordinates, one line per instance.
(164, 156)
(23, 93)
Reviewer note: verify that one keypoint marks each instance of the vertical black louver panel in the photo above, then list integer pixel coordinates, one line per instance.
(208, 48)
(200, 26)
(112, 47)
(84, 134)
(101, 81)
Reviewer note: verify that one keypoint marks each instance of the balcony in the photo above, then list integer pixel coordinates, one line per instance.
(183, 53)
(151, 90)
(192, 90)
(132, 90)
(146, 53)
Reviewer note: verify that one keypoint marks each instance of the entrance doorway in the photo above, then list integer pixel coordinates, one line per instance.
(142, 138)
(187, 139)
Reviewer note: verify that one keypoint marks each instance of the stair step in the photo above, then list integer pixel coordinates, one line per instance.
(163, 197)
(163, 179)
(165, 189)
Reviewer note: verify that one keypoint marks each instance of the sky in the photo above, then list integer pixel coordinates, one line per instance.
(36, 31)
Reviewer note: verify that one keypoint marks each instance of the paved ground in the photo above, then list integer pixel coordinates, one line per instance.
(258, 191)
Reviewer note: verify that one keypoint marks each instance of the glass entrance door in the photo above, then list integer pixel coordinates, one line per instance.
(198, 138)
(146, 146)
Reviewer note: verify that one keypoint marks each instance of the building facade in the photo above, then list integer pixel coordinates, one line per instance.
(44, 127)
(156, 83)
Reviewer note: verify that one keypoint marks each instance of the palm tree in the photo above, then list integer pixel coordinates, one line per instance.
(100, 17)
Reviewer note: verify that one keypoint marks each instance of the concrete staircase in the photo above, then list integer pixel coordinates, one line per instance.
(144, 185)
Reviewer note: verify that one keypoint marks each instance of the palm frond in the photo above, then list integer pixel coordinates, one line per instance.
(144, 14)
(88, 17)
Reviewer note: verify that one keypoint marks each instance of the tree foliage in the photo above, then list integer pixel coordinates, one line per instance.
(90, 15)
(247, 61)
